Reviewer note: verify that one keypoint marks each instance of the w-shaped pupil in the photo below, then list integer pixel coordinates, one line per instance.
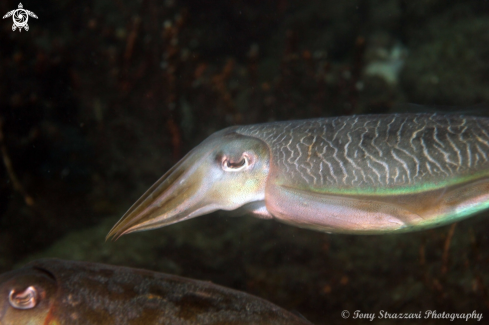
(232, 164)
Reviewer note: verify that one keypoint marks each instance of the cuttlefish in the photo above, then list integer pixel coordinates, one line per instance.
(361, 174)
(57, 292)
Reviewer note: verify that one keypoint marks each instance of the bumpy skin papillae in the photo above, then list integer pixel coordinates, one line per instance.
(357, 174)
(376, 173)
(79, 293)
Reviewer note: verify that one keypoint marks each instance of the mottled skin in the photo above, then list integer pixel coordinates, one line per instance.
(75, 293)
(353, 174)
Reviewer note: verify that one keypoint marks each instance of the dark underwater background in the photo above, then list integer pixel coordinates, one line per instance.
(100, 98)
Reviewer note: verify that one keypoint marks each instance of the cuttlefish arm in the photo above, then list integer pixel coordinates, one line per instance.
(354, 174)
(227, 171)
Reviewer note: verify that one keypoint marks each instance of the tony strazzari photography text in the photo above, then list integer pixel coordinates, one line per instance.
(428, 314)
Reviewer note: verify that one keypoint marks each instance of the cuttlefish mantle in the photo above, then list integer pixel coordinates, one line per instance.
(355, 174)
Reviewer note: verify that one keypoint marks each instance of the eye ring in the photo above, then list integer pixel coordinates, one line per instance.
(230, 166)
(25, 299)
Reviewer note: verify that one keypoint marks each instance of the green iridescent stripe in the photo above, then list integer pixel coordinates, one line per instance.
(400, 190)
(454, 216)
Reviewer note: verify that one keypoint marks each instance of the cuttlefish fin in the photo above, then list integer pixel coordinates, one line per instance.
(336, 213)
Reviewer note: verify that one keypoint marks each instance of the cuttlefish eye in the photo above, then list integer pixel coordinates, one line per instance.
(25, 299)
(231, 165)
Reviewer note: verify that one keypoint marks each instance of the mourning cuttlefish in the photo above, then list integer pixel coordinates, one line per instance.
(361, 174)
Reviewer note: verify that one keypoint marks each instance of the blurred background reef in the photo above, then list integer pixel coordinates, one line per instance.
(99, 98)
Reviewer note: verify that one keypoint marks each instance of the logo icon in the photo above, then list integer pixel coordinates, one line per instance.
(20, 17)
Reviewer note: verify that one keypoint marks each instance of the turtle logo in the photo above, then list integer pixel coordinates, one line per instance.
(20, 17)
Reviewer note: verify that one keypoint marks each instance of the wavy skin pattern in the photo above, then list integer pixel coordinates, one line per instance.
(377, 154)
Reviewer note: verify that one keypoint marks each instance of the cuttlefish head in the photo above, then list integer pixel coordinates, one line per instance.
(225, 172)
